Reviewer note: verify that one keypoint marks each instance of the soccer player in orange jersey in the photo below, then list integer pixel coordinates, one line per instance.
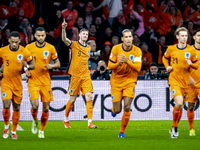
(80, 76)
(13, 57)
(39, 81)
(182, 59)
(125, 61)
(194, 90)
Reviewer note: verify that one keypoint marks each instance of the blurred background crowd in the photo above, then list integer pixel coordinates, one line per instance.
(152, 23)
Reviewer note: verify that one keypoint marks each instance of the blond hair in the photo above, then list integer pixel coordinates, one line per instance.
(178, 30)
(90, 41)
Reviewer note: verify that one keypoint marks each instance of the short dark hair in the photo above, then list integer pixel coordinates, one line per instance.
(39, 29)
(15, 34)
(142, 43)
(196, 32)
(84, 29)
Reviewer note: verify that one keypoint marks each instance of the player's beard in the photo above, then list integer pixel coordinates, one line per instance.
(41, 43)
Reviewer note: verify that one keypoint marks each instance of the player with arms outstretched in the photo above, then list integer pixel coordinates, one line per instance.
(39, 81)
(182, 59)
(125, 61)
(13, 57)
(194, 90)
(80, 77)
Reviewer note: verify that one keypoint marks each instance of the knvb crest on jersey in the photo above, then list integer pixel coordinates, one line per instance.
(131, 57)
(187, 55)
(46, 54)
(19, 58)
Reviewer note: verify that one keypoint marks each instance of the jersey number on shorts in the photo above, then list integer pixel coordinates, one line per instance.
(79, 53)
(7, 62)
(174, 60)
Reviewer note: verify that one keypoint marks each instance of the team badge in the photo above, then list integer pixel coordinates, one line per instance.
(46, 54)
(4, 94)
(131, 57)
(187, 55)
(19, 58)
(112, 97)
(191, 16)
(71, 91)
(173, 92)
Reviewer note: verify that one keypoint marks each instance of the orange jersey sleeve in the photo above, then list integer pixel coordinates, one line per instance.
(41, 56)
(180, 68)
(126, 73)
(78, 65)
(13, 64)
(195, 73)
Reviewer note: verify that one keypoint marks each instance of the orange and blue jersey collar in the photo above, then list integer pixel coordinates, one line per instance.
(181, 48)
(12, 49)
(195, 47)
(40, 46)
(82, 45)
(126, 50)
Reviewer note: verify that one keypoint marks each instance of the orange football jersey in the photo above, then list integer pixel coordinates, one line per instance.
(13, 64)
(41, 56)
(78, 65)
(180, 69)
(195, 73)
(124, 75)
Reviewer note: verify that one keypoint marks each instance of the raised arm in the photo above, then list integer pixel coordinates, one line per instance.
(64, 37)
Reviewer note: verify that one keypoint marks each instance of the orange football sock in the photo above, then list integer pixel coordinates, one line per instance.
(113, 109)
(89, 108)
(68, 108)
(34, 113)
(125, 120)
(44, 118)
(15, 120)
(6, 115)
(176, 112)
(190, 115)
(179, 116)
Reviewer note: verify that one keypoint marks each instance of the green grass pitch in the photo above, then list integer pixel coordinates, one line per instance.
(145, 135)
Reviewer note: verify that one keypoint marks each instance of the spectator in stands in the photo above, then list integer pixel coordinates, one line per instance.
(115, 40)
(80, 23)
(93, 60)
(108, 35)
(105, 53)
(80, 8)
(58, 19)
(3, 25)
(70, 14)
(192, 15)
(154, 73)
(29, 36)
(140, 30)
(24, 24)
(157, 48)
(190, 27)
(92, 30)
(102, 72)
(6, 36)
(146, 56)
(28, 7)
(115, 6)
(136, 40)
(88, 15)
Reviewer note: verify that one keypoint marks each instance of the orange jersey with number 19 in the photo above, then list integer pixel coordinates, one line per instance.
(13, 64)
(179, 75)
(41, 56)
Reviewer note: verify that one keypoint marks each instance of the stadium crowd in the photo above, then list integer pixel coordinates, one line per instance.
(152, 23)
